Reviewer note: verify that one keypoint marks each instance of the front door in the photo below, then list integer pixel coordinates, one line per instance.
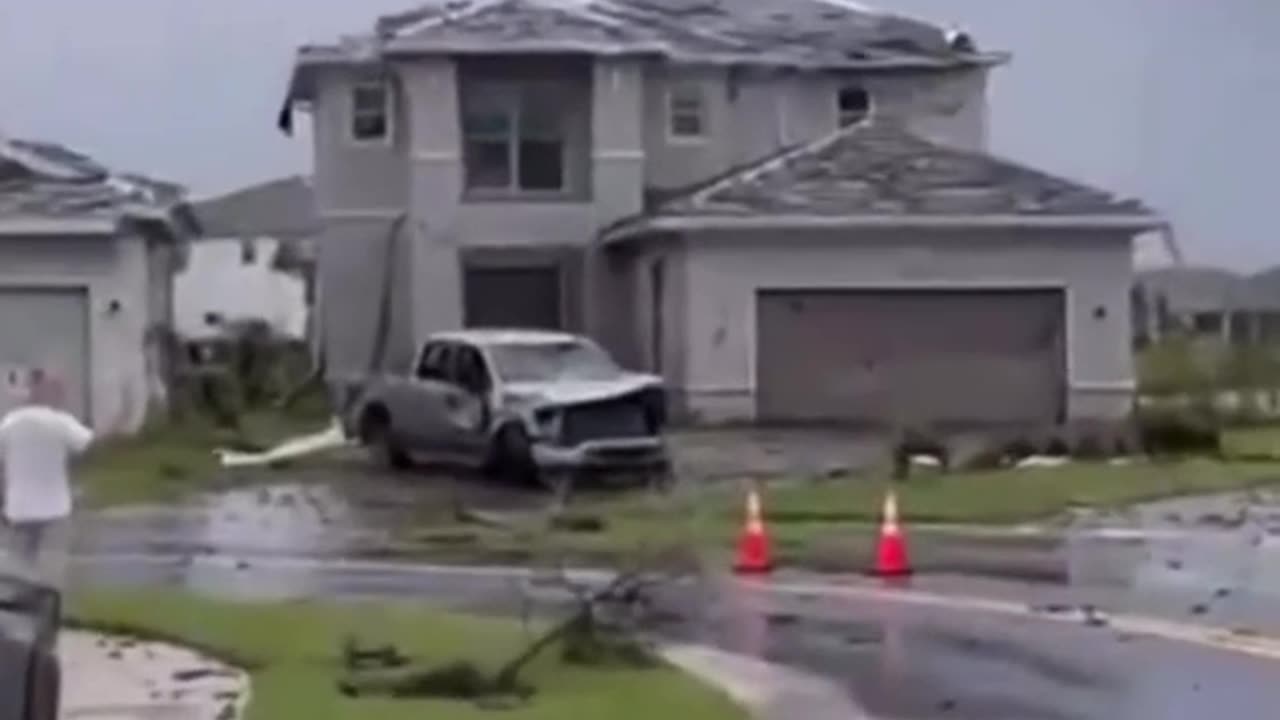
(513, 297)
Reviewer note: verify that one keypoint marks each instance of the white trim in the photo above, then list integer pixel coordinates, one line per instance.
(618, 155)
(361, 214)
(35, 225)
(704, 114)
(437, 156)
(1128, 223)
(388, 110)
(1109, 386)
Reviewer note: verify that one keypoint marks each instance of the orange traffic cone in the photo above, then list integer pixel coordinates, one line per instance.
(754, 554)
(891, 549)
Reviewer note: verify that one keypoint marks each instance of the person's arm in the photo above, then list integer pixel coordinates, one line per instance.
(78, 436)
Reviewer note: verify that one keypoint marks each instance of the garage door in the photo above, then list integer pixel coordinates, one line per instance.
(513, 297)
(884, 357)
(46, 329)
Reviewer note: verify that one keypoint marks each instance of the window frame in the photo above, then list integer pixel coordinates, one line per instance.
(432, 346)
(353, 111)
(841, 113)
(673, 93)
(510, 100)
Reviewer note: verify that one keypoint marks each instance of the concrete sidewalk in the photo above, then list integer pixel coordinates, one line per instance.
(767, 690)
(113, 678)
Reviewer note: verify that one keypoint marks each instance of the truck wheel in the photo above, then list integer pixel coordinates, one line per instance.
(375, 432)
(44, 685)
(511, 458)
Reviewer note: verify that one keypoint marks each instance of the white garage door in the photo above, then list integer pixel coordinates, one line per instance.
(49, 329)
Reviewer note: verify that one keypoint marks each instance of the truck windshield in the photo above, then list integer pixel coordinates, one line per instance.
(542, 362)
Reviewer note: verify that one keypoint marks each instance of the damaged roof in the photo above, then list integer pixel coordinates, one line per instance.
(800, 33)
(280, 208)
(43, 180)
(882, 169)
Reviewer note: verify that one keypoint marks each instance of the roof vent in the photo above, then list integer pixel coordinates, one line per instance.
(961, 41)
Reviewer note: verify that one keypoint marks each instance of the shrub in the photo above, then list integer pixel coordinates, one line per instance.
(1179, 432)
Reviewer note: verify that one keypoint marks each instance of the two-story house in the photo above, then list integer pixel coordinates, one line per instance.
(783, 206)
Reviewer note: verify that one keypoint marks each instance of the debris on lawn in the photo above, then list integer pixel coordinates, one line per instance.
(330, 438)
(604, 631)
(577, 523)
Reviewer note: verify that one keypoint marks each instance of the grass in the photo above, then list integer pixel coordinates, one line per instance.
(809, 517)
(292, 652)
(166, 462)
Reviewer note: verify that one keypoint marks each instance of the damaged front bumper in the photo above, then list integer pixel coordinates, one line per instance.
(647, 453)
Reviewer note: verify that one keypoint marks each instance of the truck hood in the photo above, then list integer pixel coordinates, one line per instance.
(572, 392)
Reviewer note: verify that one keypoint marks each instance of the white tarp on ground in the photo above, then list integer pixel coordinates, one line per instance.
(330, 438)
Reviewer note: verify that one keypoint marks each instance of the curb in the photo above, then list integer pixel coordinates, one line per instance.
(1248, 643)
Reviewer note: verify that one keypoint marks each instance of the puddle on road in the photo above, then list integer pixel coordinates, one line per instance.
(345, 512)
(1208, 559)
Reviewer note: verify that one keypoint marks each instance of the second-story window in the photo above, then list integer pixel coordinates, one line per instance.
(514, 141)
(853, 105)
(370, 112)
(686, 113)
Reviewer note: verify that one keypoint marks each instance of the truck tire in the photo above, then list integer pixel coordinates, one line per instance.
(375, 433)
(44, 685)
(511, 457)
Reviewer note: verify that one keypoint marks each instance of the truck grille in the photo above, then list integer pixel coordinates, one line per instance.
(614, 419)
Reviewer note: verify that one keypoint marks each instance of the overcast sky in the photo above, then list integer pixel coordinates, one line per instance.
(1174, 101)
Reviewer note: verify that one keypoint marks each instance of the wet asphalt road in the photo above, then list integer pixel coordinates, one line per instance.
(896, 660)
(1214, 561)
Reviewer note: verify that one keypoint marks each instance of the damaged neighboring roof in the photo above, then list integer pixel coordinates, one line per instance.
(785, 33)
(280, 208)
(45, 185)
(882, 174)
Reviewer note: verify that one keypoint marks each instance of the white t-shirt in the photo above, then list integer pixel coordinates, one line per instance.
(37, 443)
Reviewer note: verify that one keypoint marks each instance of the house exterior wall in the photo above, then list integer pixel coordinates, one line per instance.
(217, 279)
(754, 113)
(107, 269)
(718, 340)
(361, 187)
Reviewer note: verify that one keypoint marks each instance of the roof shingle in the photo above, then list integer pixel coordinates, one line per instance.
(882, 170)
(42, 179)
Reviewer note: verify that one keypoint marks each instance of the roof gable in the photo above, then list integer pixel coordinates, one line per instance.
(284, 207)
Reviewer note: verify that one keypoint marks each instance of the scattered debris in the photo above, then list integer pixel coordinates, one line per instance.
(1041, 461)
(577, 523)
(782, 619)
(947, 705)
(242, 564)
(1199, 609)
(1173, 564)
(1222, 592)
(330, 438)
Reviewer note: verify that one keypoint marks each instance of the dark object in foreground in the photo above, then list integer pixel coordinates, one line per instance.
(355, 657)
(30, 683)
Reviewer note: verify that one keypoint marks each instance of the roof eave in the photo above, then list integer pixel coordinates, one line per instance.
(1133, 223)
(46, 225)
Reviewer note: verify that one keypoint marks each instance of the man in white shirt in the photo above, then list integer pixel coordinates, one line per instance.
(37, 441)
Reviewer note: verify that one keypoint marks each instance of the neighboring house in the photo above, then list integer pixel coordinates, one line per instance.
(86, 280)
(253, 261)
(1208, 301)
(783, 206)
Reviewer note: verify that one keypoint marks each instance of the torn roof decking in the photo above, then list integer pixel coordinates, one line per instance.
(881, 172)
(796, 33)
(46, 180)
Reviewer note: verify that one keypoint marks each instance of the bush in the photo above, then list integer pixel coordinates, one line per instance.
(1180, 432)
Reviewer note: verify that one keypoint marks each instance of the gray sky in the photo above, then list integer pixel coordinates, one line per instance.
(1173, 101)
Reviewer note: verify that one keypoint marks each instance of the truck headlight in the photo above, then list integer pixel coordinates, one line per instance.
(546, 423)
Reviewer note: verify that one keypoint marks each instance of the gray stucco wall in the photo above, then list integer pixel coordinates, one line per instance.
(725, 271)
(106, 269)
(360, 187)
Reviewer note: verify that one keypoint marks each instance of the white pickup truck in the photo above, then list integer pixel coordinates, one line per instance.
(521, 404)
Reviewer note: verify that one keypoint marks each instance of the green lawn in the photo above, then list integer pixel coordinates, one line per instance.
(806, 516)
(292, 652)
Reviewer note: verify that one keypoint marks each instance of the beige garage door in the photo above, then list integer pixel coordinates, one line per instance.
(49, 329)
(911, 356)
